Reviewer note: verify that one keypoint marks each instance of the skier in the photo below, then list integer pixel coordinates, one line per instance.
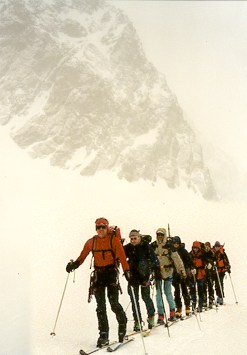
(197, 274)
(208, 289)
(107, 251)
(181, 284)
(142, 262)
(168, 259)
(222, 266)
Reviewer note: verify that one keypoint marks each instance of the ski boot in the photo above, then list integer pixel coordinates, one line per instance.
(220, 301)
(160, 319)
(122, 330)
(103, 340)
(178, 313)
(172, 315)
(187, 311)
(136, 327)
(150, 321)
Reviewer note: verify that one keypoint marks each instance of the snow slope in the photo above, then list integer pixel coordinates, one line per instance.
(46, 216)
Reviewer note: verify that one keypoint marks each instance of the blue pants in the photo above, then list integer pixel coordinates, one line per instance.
(167, 286)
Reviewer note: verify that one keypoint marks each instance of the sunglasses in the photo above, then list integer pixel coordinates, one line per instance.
(100, 227)
(133, 238)
(160, 235)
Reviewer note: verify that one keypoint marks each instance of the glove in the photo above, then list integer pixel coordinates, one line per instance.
(193, 271)
(183, 274)
(72, 265)
(209, 266)
(228, 270)
(127, 275)
(157, 274)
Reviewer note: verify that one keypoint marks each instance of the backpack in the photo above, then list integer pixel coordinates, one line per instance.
(146, 238)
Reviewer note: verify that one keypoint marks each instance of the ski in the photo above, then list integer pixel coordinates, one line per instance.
(170, 323)
(143, 332)
(186, 317)
(146, 332)
(94, 350)
(116, 346)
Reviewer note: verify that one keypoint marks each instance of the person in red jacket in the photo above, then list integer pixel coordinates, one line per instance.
(222, 266)
(108, 252)
(197, 274)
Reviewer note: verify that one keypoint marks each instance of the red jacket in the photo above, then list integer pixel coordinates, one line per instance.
(200, 263)
(105, 250)
(222, 261)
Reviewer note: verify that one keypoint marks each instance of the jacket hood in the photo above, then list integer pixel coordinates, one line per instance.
(161, 231)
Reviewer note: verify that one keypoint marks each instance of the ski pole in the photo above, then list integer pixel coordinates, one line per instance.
(53, 332)
(138, 318)
(194, 311)
(233, 289)
(216, 304)
(220, 286)
(197, 297)
(160, 290)
(125, 311)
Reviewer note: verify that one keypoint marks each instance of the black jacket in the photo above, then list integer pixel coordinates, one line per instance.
(142, 261)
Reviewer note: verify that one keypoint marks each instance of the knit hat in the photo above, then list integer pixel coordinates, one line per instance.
(196, 244)
(161, 231)
(102, 220)
(134, 233)
(217, 244)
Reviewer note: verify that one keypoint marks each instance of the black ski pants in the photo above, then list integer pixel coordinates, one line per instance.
(208, 287)
(181, 286)
(106, 281)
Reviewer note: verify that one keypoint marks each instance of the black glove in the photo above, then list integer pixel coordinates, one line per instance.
(127, 275)
(72, 265)
(157, 274)
(229, 271)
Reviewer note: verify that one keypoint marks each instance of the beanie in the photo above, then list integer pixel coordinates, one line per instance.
(217, 244)
(196, 244)
(134, 233)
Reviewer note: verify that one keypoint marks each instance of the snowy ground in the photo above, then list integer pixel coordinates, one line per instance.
(47, 215)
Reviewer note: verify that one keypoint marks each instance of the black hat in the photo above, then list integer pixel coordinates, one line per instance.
(176, 239)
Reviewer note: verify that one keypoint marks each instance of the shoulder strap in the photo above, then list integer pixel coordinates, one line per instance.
(103, 251)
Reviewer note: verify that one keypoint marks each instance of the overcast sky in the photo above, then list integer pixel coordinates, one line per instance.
(201, 48)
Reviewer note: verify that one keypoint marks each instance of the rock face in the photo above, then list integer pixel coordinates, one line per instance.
(79, 90)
